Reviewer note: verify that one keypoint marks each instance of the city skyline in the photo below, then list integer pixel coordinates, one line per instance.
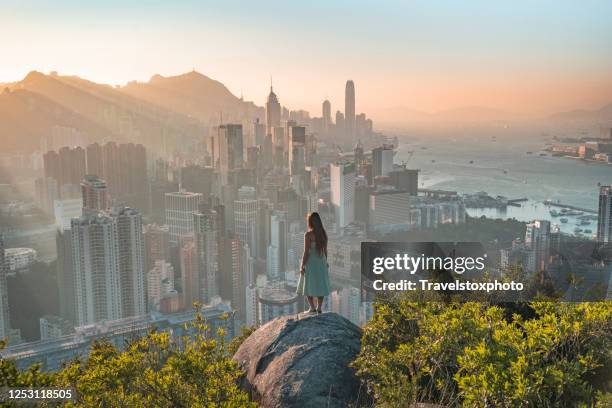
(422, 57)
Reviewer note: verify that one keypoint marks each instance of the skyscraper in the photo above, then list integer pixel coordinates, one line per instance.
(94, 193)
(131, 260)
(5, 322)
(349, 110)
(189, 271)
(273, 111)
(157, 244)
(604, 221)
(277, 251)
(180, 207)
(95, 261)
(245, 221)
(206, 230)
(231, 155)
(342, 186)
(382, 160)
(537, 238)
(327, 119)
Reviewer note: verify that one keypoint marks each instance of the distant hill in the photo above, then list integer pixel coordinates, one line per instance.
(27, 116)
(603, 114)
(158, 113)
(192, 94)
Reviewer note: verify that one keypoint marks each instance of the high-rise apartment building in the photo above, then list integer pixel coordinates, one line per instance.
(604, 220)
(206, 231)
(342, 184)
(277, 251)
(94, 194)
(95, 260)
(131, 260)
(157, 244)
(189, 271)
(537, 238)
(160, 283)
(5, 322)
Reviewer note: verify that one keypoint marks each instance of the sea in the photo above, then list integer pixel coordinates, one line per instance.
(503, 166)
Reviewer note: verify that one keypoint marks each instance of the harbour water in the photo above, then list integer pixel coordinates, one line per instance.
(503, 167)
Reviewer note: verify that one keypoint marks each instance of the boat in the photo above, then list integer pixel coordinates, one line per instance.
(433, 160)
(505, 171)
(588, 231)
(584, 222)
(554, 213)
(542, 154)
(563, 220)
(577, 230)
(529, 152)
(471, 161)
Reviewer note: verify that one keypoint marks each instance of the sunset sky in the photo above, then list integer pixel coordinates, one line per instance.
(522, 56)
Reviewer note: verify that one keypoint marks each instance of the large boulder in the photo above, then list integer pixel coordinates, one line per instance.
(302, 361)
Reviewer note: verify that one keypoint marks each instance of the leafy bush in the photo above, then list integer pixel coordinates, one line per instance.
(153, 371)
(473, 355)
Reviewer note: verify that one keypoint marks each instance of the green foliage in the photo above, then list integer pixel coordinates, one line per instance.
(232, 348)
(156, 370)
(475, 355)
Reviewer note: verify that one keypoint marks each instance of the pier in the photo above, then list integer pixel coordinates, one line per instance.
(570, 207)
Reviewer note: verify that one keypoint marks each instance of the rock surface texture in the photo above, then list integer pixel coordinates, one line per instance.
(302, 361)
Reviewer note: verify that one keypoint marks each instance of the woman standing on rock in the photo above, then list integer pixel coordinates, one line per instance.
(314, 277)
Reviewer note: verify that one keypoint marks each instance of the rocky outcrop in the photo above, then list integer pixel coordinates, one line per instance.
(302, 361)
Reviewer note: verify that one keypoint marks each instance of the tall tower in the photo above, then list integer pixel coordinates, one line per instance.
(273, 111)
(231, 155)
(604, 221)
(96, 269)
(131, 261)
(327, 120)
(342, 185)
(537, 238)
(207, 252)
(349, 109)
(5, 326)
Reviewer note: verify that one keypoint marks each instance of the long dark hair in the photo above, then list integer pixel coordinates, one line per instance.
(316, 226)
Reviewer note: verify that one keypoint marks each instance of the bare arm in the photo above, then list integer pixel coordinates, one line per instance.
(306, 252)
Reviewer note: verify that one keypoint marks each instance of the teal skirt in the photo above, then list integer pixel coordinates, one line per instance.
(315, 281)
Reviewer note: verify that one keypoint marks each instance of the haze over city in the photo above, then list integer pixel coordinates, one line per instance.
(535, 58)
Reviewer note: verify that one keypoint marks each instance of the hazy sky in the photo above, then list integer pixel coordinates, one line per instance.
(526, 56)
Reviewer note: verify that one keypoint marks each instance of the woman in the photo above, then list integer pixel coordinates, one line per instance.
(314, 278)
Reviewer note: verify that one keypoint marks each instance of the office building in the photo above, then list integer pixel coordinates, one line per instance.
(277, 250)
(382, 160)
(342, 184)
(405, 179)
(245, 221)
(273, 112)
(231, 155)
(259, 132)
(326, 115)
(189, 272)
(349, 110)
(180, 207)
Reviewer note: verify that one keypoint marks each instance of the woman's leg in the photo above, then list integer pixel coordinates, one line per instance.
(311, 302)
(319, 303)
